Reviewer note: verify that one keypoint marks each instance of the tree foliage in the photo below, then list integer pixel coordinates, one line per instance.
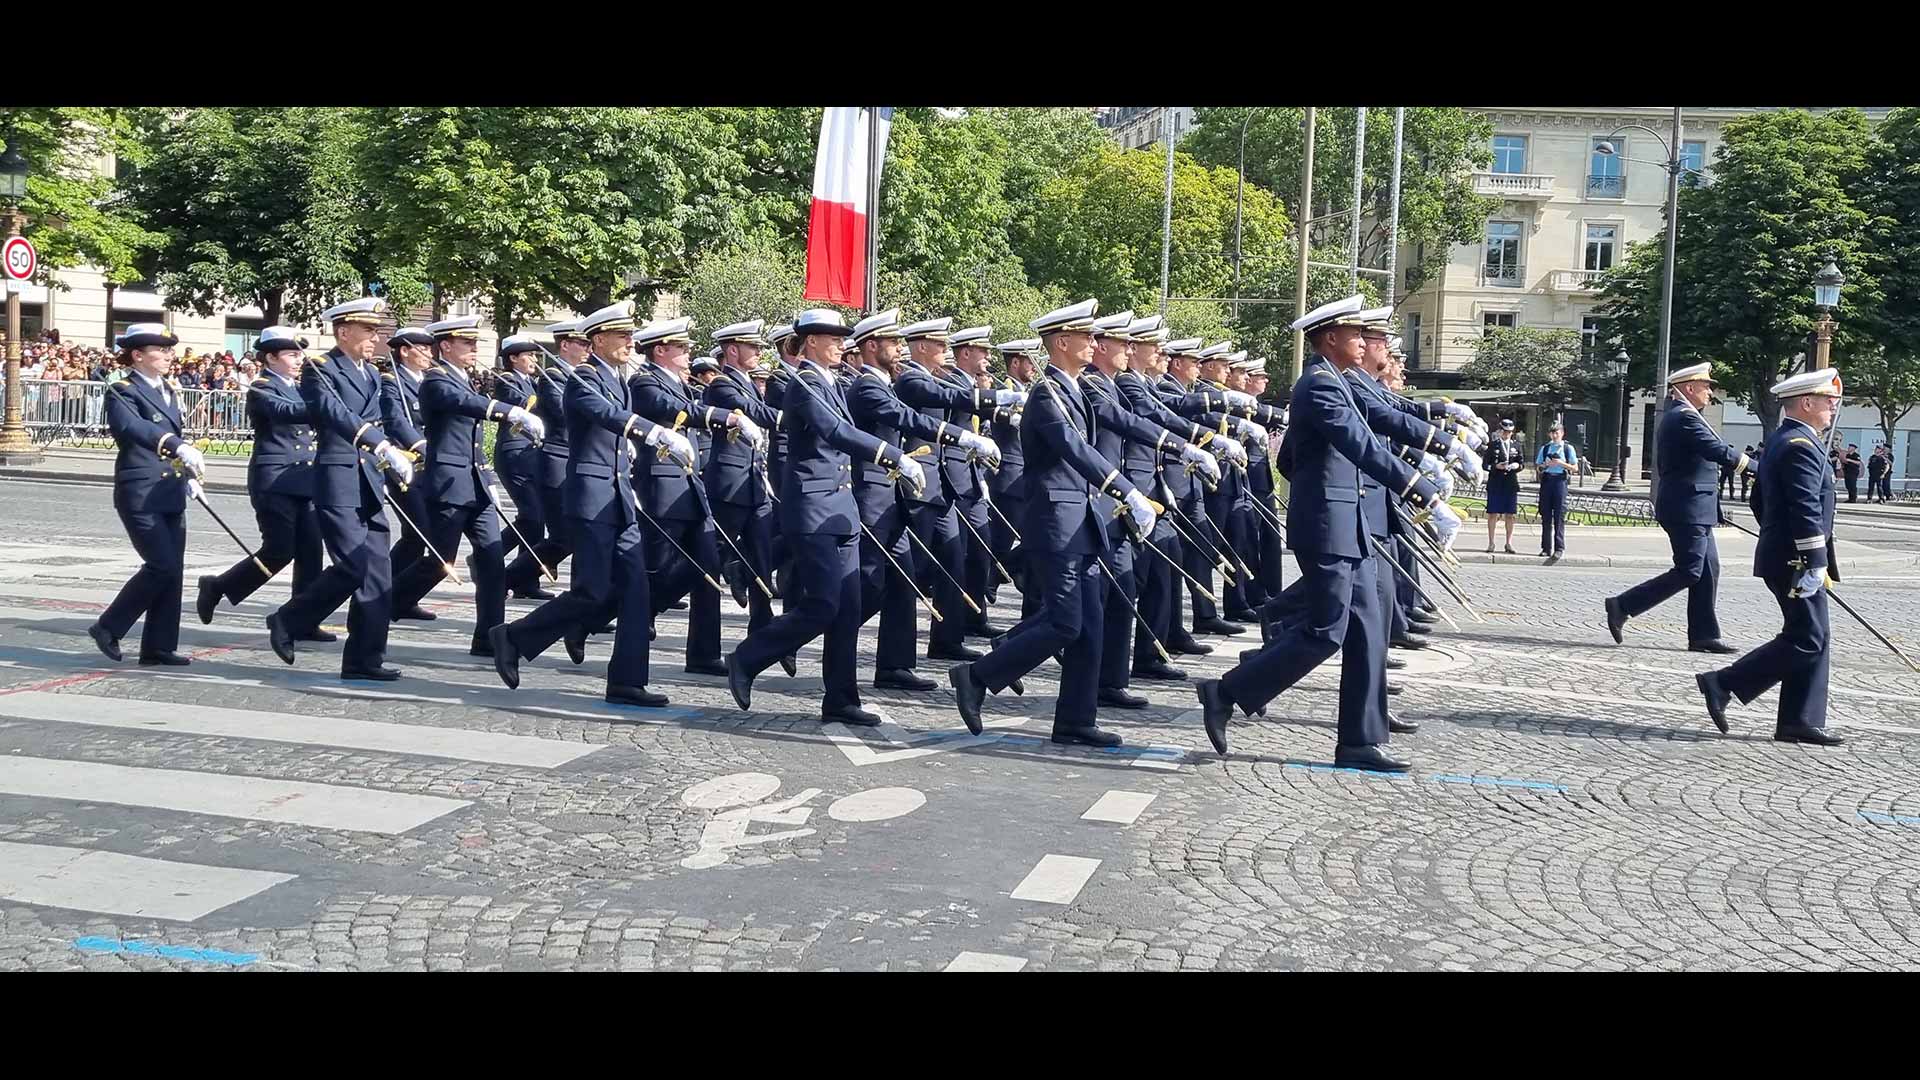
(761, 279)
(1889, 375)
(1548, 366)
(72, 215)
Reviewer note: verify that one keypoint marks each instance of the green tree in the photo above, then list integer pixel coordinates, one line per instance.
(759, 280)
(943, 216)
(72, 215)
(1548, 366)
(1781, 202)
(253, 206)
(1889, 375)
(1442, 147)
(1888, 381)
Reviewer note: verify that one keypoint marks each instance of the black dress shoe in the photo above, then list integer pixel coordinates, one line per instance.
(533, 593)
(1085, 736)
(952, 652)
(1401, 727)
(1616, 618)
(618, 694)
(790, 664)
(1394, 663)
(986, 630)
(851, 715)
(1158, 670)
(901, 679)
(1370, 758)
(323, 637)
(1019, 688)
(737, 584)
(416, 613)
(653, 632)
(968, 695)
(1421, 620)
(480, 648)
(1801, 734)
(379, 674)
(680, 605)
(1121, 699)
(707, 667)
(1428, 610)
(739, 682)
(1408, 641)
(1712, 645)
(576, 645)
(1392, 689)
(604, 628)
(279, 639)
(208, 599)
(109, 647)
(1217, 626)
(1188, 645)
(168, 659)
(1247, 655)
(1215, 709)
(506, 658)
(1717, 697)
(1244, 616)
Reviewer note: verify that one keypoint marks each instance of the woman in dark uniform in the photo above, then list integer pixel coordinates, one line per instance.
(1503, 482)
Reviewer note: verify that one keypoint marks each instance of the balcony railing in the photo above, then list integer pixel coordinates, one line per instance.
(1508, 275)
(1607, 187)
(1570, 281)
(1513, 186)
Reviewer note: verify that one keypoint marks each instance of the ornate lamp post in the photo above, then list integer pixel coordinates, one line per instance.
(1616, 482)
(1826, 296)
(15, 447)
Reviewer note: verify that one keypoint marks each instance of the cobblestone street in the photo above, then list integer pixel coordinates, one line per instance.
(1571, 805)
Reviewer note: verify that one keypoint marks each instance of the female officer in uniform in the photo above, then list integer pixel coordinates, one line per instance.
(1503, 482)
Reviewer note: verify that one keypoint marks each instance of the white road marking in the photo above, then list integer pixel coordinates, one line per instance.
(325, 806)
(102, 881)
(1056, 879)
(877, 804)
(734, 789)
(438, 742)
(985, 961)
(1119, 807)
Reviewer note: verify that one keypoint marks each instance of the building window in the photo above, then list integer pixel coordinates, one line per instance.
(1502, 266)
(1607, 173)
(1693, 155)
(1411, 340)
(241, 333)
(1494, 320)
(1601, 241)
(1509, 153)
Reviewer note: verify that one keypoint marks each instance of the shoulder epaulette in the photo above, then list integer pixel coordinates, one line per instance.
(262, 381)
(318, 359)
(583, 366)
(387, 375)
(121, 385)
(1801, 439)
(1322, 371)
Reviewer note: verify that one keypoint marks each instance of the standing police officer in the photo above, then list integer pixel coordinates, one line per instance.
(342, 392)
(1690, 460)
(279, 482)
(1794, 556)
(151, 476)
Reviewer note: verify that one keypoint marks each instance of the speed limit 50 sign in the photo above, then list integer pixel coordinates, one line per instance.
(20, 258)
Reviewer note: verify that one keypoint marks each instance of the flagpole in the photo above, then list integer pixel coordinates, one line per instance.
(873, 208)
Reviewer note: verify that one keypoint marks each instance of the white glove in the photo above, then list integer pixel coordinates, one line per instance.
(1141, 510)
(1445, 484)
(1461, 412)
(189, 455)
(1810, 581)
(1432, 468)
(1009, 397)
(194, 490)
(1232, 451)
(1247, 429)
(1466, 461)
(528, 423)
(1203, 461)
(1472, 436)
(1446, 524)
(748, 430)
(397, 462)
(675, 444)
(1239, 399)
(982, 446)
(1013, 419)
(913, 474)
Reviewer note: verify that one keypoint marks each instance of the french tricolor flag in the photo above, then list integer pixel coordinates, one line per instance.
(837, 228)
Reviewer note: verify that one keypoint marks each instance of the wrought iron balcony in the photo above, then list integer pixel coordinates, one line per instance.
(1514, 187)
(1573, 281)
(1506, 275)
(1607, 187)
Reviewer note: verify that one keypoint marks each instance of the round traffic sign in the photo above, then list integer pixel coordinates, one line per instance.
(20, 258)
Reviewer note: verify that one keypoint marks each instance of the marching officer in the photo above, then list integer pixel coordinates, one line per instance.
(886, 548)
(681, 547)
(736, 481)
(518, 459)
(1332, 449)
(342, 392)
(1070, 484)
(968, 370)
(1007, 485)
(549, 463)
(822, 524)
(1690, 460)
(609, 558)
(152, 474)
(279, 482)
(411, 351)
(1794, 556)
(458, 480)
(1269, 567)
(1210, 368)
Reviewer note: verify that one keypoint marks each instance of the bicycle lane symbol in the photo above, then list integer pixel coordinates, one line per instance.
(739, 798)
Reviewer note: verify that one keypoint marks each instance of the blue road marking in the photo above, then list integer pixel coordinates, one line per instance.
(171, 952)
(1345, 769)
(1889, 819)
(1495, 781)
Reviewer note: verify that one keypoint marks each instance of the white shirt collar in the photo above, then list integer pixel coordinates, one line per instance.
(150, 380)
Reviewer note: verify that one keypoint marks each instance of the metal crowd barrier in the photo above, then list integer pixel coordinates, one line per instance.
(58, 412)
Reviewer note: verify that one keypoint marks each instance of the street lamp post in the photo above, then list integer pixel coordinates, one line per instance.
(1826, 296)
(15, 447)
(1617, 482)
(1239, 192)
